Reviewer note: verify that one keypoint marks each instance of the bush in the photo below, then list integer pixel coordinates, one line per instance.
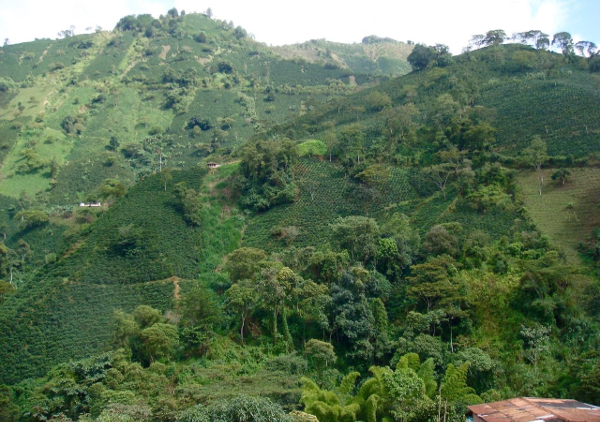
(312, 147)
(31, 218)
(238, 409)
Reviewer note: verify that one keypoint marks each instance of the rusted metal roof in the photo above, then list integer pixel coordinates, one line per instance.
(529, 409)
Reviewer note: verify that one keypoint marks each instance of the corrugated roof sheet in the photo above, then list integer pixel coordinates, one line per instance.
(528, 409)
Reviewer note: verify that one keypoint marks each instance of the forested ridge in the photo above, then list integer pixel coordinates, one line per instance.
(373, 244)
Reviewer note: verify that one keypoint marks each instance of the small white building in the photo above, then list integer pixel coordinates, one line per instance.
(213, 165)
(90, 204)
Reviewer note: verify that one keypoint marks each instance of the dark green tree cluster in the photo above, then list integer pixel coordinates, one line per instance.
(266, 176)
(423, 56)
(189, 202)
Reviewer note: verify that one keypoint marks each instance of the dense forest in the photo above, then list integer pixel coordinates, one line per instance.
(387, 232)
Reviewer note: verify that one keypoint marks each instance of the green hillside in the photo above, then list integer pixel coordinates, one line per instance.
(139, 86)
(374, 56)
(297, 233)
(131, 255)
(548, 96)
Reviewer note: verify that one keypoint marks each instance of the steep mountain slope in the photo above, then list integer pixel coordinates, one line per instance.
(350, 231)
(83, 111)
(186, 85)
(374, 56)
(544, 95)
(140, 251)
(420, 113)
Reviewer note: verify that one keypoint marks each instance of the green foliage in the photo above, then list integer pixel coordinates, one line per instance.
(320, 353)
(244, 263)
(159, 341)
(429, 155)
(454, 388)
(377, 101)
(238, 409)
(561, 175)
(267, 175)
(312, 147)
(423, 56)
(106, 63)
(407, 393)
(190, 204)
(357, 235)
(328, 406)
(420, 57)
(31, 218)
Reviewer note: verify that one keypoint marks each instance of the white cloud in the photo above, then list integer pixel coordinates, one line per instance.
(430, 21)
(277, 22)
(28, 19)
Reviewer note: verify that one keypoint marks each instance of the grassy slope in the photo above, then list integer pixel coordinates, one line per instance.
(387, 58)
(567, 214)
(127, 70)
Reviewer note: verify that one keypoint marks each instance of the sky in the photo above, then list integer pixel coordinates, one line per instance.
(277, 22)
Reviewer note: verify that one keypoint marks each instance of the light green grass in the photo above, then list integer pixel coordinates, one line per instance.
(70, 103)
(14, 183)
(125, 115)
(567, 214)
(312, 147)
(33, 99)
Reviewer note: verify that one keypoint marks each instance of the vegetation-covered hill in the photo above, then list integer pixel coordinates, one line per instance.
(392, 251)
(520, 91)
(100, 105)
(374, 56)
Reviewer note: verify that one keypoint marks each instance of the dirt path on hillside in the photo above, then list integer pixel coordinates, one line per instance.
(176, 288)
(131, 66)
(165, 51)
(73, 248)
(41, 59)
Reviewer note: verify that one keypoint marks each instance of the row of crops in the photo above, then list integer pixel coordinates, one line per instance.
(563, 112)
(54, 320)
(108, 60)
(70, 303)
(325, 193)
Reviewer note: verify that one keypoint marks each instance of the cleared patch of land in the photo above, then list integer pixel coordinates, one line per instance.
(28, 102)
(567, 214)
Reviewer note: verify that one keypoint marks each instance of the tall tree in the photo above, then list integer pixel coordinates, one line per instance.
(358, 235)
(564, 41)
(244, 263)
(421, 57)
(274, 287)
(493, 37)
(241, 299)
(351, 140)
(433, 284)
(330, 139)
(586, 46)
(536, 155)
(166, 176)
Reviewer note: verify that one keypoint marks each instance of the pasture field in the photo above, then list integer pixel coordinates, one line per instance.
(29, 102)
(568, 213)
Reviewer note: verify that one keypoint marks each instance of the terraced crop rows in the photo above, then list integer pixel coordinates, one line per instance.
(324, 195)
(563, 112)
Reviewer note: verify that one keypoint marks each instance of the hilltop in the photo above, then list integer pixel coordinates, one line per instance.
(374, 56)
